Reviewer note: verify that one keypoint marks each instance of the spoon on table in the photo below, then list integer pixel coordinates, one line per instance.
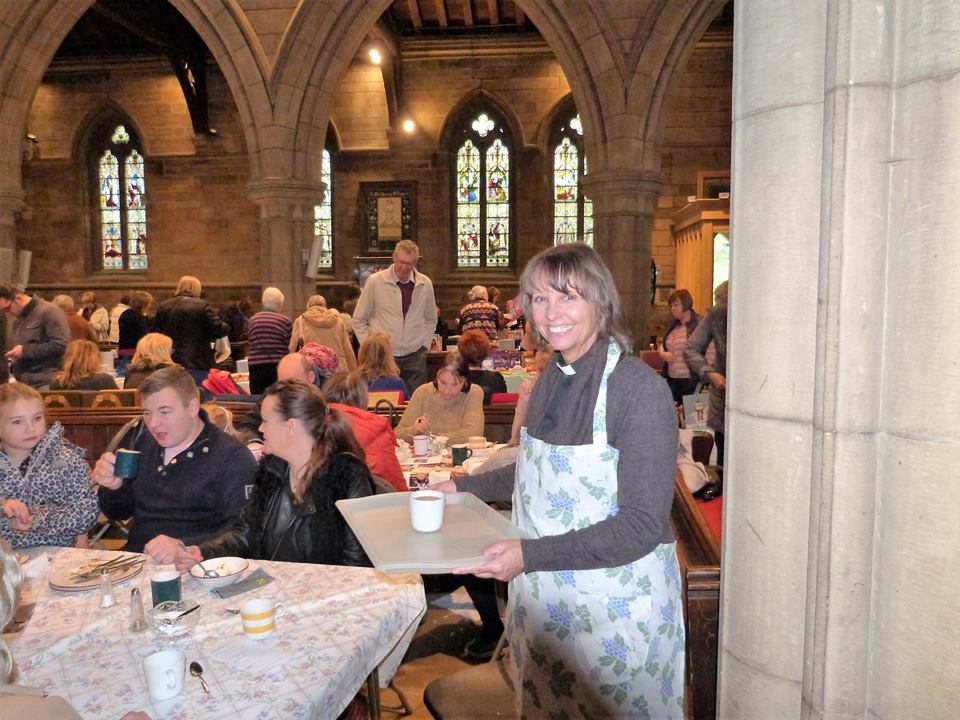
(196, 669)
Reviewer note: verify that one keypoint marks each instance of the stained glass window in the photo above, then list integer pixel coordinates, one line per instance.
(483, 195)
(572, 211)
(323, 216)
(121, 193)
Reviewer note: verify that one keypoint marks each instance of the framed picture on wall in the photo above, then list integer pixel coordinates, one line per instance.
(388, 213)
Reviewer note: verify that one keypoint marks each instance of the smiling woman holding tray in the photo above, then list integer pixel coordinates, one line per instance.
(595, 595)
(313, 461)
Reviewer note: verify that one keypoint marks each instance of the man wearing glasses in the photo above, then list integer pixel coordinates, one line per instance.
(40, 336)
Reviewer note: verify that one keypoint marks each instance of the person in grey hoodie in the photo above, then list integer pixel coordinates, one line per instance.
(322, 325)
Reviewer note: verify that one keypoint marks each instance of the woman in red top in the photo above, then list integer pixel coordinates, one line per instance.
(348, 393)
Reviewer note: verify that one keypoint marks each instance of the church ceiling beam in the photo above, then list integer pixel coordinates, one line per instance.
(467, 13)
(494, 12)
(414, 7)
(441, 7)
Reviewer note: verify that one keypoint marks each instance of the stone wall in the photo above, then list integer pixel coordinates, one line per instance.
(696, 137)
(200, 220)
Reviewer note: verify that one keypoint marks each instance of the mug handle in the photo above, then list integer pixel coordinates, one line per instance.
(171, 674)
(469, 454)
(280, 609)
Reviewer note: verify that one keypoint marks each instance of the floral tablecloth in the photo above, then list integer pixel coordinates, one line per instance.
(340, 624)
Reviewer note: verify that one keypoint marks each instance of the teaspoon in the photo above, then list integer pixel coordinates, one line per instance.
(197, 671)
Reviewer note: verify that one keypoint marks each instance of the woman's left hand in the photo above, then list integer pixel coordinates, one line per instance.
(505, 564)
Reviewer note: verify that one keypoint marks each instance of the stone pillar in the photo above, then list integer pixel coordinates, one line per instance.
(286, 236)
(11, 203)
(623, 205)
(837, 597)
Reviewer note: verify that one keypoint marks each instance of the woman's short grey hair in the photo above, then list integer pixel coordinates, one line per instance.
(10, 580)
(477, 292)
(316, 300)
(576, 267)
(272, 299)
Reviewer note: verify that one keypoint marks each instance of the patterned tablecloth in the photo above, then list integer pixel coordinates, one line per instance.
(340, 624)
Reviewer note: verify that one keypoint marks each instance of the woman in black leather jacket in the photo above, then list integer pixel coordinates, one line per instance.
(313, 461)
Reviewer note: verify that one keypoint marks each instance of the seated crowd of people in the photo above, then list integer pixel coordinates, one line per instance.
(265, 486)
(206, 485)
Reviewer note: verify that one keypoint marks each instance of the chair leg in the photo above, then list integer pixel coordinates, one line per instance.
(498, 650)
(405, 707)
(373, 694)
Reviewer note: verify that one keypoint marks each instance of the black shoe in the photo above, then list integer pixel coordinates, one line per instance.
(479, 650)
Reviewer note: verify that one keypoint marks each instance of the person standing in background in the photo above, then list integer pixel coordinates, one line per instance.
(269, 337)
(119, 309)
(400, 302)
(96, 315)
(675, 369)
(133, 326)
(80, 329)
(712, 327)
(324, 326)
(192, 325)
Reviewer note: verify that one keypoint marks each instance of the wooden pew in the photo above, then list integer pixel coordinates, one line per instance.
(93, 428)
(698, 551)
(498, 419)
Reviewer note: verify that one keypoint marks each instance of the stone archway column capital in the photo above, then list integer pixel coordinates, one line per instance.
(11, 202)
(276, 192)
(620, 191)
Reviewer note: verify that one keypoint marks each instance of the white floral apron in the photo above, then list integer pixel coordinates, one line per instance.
(606, 643)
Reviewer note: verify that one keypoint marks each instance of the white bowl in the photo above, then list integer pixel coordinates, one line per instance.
(228, 568)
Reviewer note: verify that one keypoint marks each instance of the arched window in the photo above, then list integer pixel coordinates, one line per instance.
(482, 196)
(572, 211)
(120, 204)
(323, 216)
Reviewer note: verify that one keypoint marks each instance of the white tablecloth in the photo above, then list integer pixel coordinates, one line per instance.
(340, 624)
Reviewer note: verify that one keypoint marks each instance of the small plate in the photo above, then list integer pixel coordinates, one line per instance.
(61, 577)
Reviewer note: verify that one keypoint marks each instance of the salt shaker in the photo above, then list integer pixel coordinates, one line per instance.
(138, 620)
(106, 590)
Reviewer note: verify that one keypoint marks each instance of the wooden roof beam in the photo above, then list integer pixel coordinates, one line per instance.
(415, 18)
(494, 12)
(467, 13)
(441, 12)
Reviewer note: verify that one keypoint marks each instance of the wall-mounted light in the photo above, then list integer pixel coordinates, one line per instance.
(374, 56)
(409, 126)
(32, 138)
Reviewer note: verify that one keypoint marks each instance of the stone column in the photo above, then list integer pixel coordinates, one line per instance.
(623, 205)
(11, 203)
(286, 236)
(837, 600)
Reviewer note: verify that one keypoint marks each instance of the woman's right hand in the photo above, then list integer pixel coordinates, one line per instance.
(103, 472)
(422, 425)
(447, 486)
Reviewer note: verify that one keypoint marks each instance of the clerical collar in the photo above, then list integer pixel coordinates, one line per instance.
(567, 369)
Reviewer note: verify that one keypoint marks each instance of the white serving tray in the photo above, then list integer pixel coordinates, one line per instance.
(382, 525)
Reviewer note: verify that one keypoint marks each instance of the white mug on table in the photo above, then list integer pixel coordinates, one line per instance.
(164, 672)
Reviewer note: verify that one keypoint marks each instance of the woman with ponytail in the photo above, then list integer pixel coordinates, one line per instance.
(311, 459)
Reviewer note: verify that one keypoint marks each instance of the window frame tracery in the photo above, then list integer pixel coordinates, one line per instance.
(567, 128)
(119, 200)
(491, 140)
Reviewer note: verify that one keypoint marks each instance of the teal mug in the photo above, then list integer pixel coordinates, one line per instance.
(460, 453)
(165, 586)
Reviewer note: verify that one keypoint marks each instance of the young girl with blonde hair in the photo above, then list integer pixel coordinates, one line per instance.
(44, 480)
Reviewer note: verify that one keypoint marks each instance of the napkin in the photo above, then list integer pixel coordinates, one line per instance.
(258, 578)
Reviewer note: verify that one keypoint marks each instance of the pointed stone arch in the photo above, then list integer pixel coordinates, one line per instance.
(315, 52)
(31, 32)
(94, 117)
(475, 98)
